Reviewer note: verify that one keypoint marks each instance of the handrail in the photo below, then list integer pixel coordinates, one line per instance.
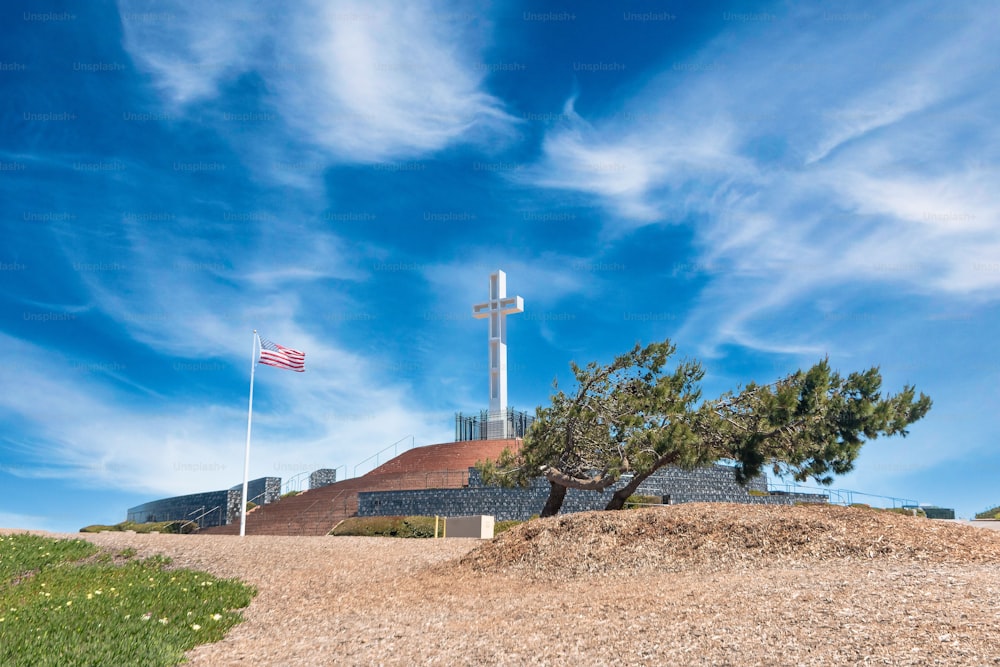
(376, 455)
(197, 519)
(843, 496)
(294, 478)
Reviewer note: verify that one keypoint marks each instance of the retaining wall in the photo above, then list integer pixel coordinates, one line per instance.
(182, 508)
(708, 484)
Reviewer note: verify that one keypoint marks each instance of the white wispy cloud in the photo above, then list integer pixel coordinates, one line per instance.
(836, 158)
(549, 277)
(363, 81)
(629, 173)
(99, 434)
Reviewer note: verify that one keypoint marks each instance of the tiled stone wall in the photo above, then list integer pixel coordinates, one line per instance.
(674, 485)
(322, 477)
(181, 508)
(190, 506)
(262, 490)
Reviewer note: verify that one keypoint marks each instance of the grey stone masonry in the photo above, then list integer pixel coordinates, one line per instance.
(672, 485)
(322, 477)
(263, 490)
(212, 507)
(215, 508)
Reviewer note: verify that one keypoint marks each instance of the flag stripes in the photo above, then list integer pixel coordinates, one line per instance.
(279, 356)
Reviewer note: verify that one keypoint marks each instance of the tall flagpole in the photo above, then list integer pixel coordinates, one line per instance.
(246, 459)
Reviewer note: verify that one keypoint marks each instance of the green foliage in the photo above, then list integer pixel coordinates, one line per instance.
(991, 513)
(152, 527)
(28, 554)
(290, 494)
(905, 511)
(57, 610)
(386, 526)
(808, 424)
(622, 417)
(757, 492)
(638, 500)
(634, 416)
(908, 511)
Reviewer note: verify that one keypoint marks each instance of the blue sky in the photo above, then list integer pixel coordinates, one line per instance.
(763, 183)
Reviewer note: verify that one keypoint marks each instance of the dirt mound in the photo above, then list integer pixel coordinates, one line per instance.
(718, 536)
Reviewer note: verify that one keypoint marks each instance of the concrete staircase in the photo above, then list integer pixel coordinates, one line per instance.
(317, 511)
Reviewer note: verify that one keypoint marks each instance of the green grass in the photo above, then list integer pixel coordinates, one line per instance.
(992, 513)
(157, 527)
(916, 511)
(637, 500)
(387, 526)
(63, 602)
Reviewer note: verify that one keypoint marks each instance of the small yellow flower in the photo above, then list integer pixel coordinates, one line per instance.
(164, 621)
(216, 617)
(193, 627)
(69, 602)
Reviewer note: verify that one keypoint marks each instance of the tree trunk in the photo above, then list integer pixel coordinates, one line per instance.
(556, 476)
(553, 504)
(617, 501)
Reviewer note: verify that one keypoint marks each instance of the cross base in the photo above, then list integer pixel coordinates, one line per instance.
(490, 425)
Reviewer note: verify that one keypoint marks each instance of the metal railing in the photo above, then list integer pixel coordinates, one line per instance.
(842, 496)
(295, 480)
(511, 424)
(197, 519)
(395, 452)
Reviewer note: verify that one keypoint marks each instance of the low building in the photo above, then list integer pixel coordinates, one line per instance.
(212, 508)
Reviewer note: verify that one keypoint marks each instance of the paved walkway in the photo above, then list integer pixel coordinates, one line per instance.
(989, 524)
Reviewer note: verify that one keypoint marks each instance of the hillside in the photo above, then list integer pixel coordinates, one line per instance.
(716, 536)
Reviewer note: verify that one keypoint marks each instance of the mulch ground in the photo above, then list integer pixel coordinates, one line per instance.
(718, 536)
(698, 584)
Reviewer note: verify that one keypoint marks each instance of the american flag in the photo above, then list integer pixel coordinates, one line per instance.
(279, 356)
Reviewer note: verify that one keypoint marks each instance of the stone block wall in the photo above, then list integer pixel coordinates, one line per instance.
(226, 504)
(708, 484)
(233, 505)
(182, 508)
(262, 490)
(322, 477)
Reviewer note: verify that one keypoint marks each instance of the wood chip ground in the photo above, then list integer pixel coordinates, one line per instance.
(698, 584)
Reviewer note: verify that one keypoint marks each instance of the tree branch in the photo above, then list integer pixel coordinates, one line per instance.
(598, 483)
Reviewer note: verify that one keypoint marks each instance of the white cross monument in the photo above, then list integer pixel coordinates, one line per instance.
(497, 309)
